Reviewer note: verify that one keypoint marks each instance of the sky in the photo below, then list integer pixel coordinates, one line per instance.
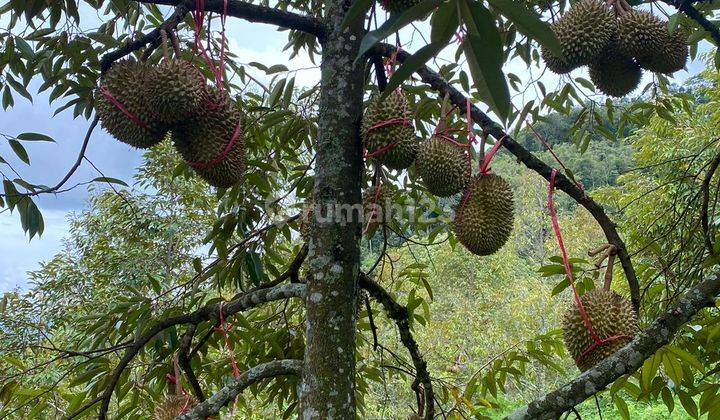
(50, 161)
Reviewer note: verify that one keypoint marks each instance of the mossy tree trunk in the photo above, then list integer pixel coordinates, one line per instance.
(328, 382)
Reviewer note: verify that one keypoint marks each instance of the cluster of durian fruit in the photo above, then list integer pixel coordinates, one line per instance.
(616, 42)
(142, 104)
(485, 213)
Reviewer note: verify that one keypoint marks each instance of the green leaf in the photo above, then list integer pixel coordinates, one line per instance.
(444, 22)
(34, 137)
(395, 23)
(19, 150)
(529, 23)
(689, 358)
(668, 399)
(359, 8)
(621, 407)
(110, 180)
(672, 368)
(254, 267)
(649, 369)
(560, 286)
(483, 49)
(688, 403)
(410, 65)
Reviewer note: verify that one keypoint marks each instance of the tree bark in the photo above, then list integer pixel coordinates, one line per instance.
(327, 390)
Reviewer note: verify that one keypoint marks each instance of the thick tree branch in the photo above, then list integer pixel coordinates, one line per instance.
(686, 7)
(626, 360)
(400, 315)
(220, 399)
(532, 162)
(242, 303)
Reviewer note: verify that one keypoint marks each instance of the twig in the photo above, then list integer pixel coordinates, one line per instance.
(705, 188)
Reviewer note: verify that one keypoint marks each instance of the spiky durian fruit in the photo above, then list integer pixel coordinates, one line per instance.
(172, 406)
(615, 74)
(442, 166)
(484, 219)
(387, 131)
(610, 315)
(674, 56)
(641, 35)
(175, 88)
(125, 83)
(212, 142)
(584, 31)
(377, 207)
(398, 6)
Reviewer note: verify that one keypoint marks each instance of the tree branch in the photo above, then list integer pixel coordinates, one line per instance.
(400, 315)
(184, 361)
(242, 303)
(532, 162)
(236, 8)
(217, 401)
(626, 360)
(686, 7)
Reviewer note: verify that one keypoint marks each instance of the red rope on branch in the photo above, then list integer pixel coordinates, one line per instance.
(199, 18)
(566, 261)
(224, 154)
(134, 118)
(485, 164)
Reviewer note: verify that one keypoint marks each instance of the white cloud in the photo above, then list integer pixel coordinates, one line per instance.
(18, 255)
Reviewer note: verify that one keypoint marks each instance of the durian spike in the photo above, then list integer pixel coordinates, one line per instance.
(612, 251)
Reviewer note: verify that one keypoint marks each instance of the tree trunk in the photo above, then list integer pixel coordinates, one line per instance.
(328, 380)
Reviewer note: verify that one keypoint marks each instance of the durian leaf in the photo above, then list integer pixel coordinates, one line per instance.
(483, 50)
(19, 151)
(110, 180)
(34, 137)
(411, 65)
(529, 24)
(621, 407)
(395, 23)
(444, 22)
(358, 8)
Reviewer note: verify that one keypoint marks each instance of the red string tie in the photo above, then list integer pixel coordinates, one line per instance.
(223, 155)
(134, 118)
(386, 123)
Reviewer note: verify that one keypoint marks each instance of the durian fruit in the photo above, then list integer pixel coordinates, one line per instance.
(584, 31)
(610, 315)
(397, 6)
(396, 138)
(442, 165)
(485, 215)
(172, 406)
(125, 81)
(674, 56)
(175, 90)
(641, 35)
(615, 74)
(203, 142)
(377, 207)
